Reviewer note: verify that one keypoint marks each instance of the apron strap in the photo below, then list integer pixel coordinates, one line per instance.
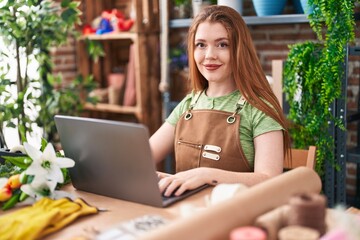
(239, 105)
(194, 99)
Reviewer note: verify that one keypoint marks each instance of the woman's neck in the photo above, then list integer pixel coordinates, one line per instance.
(220, 90)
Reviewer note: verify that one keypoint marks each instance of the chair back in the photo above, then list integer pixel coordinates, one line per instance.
(301, 157)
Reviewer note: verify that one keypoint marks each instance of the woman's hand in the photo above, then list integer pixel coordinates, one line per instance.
(182, 181)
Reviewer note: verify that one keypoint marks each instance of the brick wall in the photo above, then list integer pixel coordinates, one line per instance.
(272, 42)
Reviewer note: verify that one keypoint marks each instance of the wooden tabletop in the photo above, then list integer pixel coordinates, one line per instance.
(118, 211)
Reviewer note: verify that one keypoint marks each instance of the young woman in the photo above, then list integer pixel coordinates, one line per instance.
(231, 128)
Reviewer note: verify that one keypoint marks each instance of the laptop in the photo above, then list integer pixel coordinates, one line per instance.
(113, 159)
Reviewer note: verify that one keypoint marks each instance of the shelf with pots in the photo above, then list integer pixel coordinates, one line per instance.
(252, 20)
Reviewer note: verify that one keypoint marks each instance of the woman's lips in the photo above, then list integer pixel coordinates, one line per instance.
(212, 66)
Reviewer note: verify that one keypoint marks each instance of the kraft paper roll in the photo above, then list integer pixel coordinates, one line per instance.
(217, 221)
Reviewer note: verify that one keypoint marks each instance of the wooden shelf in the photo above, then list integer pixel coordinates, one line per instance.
(105, 107)
(252, 20)
(110, 36)
(135, 51)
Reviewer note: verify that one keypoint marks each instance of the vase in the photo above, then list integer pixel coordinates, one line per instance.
(267, 8)
(198, 5)
(306, 7)
(235, 4)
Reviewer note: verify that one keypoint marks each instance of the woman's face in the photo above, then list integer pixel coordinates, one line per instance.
(212, 52)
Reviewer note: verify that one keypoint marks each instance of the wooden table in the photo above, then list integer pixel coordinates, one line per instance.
(117, 211)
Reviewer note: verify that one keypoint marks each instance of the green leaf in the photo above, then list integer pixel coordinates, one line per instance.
(11, 202)
(65, 3)
(21, 161)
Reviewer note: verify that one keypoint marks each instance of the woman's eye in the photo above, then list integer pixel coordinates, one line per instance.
(200, 45)
(223, 45)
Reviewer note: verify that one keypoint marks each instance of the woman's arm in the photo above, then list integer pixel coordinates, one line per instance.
(269, 157)
(162, 142)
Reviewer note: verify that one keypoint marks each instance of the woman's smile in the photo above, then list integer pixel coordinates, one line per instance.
(212, 67)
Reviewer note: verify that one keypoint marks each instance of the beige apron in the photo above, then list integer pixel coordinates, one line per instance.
(209, 138)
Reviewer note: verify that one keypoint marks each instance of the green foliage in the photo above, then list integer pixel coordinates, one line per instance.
(181, 2)
(8, 169)
(313, 73)
(29, 30)
(95, 49)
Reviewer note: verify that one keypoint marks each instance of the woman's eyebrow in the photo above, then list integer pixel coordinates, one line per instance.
(216, 40)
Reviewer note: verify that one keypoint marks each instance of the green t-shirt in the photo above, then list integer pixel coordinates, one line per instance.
(253, 122)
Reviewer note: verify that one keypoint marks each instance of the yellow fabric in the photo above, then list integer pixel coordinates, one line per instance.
(43, 217)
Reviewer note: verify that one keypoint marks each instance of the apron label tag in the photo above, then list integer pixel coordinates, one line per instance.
(212, 148)
(212, 156)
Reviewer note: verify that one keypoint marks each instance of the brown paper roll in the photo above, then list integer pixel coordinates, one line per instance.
(217, 221)
(308, 210)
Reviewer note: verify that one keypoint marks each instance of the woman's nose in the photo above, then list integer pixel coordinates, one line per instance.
(210, 53)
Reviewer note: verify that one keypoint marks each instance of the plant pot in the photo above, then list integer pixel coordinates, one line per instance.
(267, 8)
(306, 7)
(198, 5)
(235, 4)
(297, 7)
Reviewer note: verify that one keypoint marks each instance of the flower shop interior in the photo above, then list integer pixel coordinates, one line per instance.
(126, 61)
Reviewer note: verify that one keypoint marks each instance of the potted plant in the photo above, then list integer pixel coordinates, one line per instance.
(266, 8)
(313, 74)
(181, 8)
(29, 29)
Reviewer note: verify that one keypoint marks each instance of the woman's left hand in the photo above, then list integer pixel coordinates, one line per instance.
(180, 182)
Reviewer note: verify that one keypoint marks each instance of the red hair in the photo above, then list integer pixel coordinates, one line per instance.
(247, 71)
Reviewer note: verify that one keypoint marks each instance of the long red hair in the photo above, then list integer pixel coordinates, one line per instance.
(247, 71)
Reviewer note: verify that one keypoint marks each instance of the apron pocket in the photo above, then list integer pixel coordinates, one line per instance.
(187, 155)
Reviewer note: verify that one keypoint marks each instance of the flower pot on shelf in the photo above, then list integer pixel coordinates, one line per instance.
(235, 4)
(297, 7)
(306, 7)
(267, 8)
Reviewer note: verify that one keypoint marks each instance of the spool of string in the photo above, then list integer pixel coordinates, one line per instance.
(297, 233)
(308, 210)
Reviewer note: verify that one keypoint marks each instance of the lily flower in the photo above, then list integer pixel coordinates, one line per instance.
(3, 182)
(46, 165)
(39, 187)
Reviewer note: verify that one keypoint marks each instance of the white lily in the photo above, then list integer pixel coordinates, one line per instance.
(42, 188)
(39, 187)
(3, 182)
(46, 165)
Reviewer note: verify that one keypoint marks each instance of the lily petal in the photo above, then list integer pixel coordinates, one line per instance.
(34, 153)
(49, 153)
(62, 194)
(65, 162)
(26, 188)
(52, 185)
(35, 169)
(55, 174)
(3, 182)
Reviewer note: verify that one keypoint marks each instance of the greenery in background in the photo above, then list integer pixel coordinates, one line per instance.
(95, 49)
(181, 2)
(30, 28)
(178, 58)
(313, 74)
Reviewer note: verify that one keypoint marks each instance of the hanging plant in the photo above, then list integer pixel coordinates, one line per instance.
(29, 30)
(313, 74)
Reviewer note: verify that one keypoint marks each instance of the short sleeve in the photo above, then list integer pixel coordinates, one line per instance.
(174, 116)
(263, 123)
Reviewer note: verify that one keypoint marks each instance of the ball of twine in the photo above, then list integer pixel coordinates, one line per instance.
(308, 210)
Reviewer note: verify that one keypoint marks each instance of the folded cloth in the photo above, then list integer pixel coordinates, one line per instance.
(42, 218)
